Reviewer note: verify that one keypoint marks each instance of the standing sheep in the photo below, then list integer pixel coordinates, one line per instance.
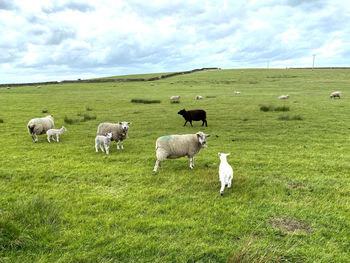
(40, 126)
(225, 172)
(176, 146)
(101, 140)
(335, 94)
(199, 97)
(194, 115)
(119, 131)
(237, 93)
(175, 97)
(55, 132)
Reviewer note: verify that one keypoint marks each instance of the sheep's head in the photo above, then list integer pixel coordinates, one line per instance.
(202, 138)
(125, 125)
(64, 128)
(182, 112)
(109, 135)
(223, 156)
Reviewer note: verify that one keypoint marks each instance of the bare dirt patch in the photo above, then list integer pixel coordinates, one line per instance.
(290, 226)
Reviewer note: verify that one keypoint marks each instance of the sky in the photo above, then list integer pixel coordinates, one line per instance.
(47, 40)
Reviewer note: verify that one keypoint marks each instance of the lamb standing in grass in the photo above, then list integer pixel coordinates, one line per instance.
(335, 94)
(175, 97)
(40, 126)
(103, 141)
(237, 92)
(119, 131)
(55, 132)
(225, 172)
(199, 97)
(176, 146)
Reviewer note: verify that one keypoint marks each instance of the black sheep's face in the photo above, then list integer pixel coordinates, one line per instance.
(182, 112)
(202, 138)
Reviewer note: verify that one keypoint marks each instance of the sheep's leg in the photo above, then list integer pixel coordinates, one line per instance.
(191, 123)
(121, 144)
(185, 122)
(101, 147)
(206, 123)
(57, 138)
(48, 138)
(96, 147)
(117, 142)
(229, 183)
(191, 162)
(222, 188)
(35, 138)
(158, 163)
(107, 149)
(202, 123)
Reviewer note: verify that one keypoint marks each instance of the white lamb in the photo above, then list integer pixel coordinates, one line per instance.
(199, 97)
(237, 92)
(55, 132)
(283, 97)
(225, 172)
(102, 140)
(175, 97)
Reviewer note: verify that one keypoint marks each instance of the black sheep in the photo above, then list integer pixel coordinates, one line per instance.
(194, 115)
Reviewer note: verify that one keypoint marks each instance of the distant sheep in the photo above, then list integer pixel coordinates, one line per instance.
(335, 94)
(198, 97)
(176, 146)
(55, 132)
(194, 115)
(237, 92)
(284, 97)
(225, 172)
(38, 87)
(119, 131)
(175, 97)
(103, 141)
(40, 126)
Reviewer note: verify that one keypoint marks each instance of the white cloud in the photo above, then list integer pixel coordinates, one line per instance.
(55, 40)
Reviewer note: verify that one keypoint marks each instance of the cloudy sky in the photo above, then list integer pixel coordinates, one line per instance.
(68, 39)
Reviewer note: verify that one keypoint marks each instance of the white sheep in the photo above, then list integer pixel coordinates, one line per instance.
(176, 146)
(119, 131)
(237, 92)
(175, 97)
(225, 172)
(55, 132)
(38, 87)
(199, 97)
(283, 97)
(40, 126)
(335, 94)
(103, 141)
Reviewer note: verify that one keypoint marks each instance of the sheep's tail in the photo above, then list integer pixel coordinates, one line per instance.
(31, 128)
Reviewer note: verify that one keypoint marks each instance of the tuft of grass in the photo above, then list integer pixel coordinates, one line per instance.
(273, 108)
(289, 118)
(210, 97)
(1, 121)
(88, 108)
(69, 120)
(44, 111)
(174, 101)
(145, 101)
(87, 117)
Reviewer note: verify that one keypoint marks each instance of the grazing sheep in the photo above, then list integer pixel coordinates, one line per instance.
(175, 97)
(55, 132)
(236, 92)
(283, 97)
(119, 131)
(176, 146)
(103, 140)
(335, 94)
(198, 97)
(8, 87)
(40, 126)
(194, 115)
(38, 87)
(225, 172)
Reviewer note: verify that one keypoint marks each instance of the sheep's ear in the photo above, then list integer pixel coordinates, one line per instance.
(207, 135)
(129, 123)
(228, 154)
(219, 154)
(120, 123)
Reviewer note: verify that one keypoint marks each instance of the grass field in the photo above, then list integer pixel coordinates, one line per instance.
(291, 188)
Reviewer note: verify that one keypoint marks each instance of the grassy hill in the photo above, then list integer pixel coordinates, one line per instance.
(291, 188)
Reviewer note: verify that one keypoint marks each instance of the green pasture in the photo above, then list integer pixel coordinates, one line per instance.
(290, 200)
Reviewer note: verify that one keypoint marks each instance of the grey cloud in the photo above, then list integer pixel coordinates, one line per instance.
(7, 5)
(71, 5)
